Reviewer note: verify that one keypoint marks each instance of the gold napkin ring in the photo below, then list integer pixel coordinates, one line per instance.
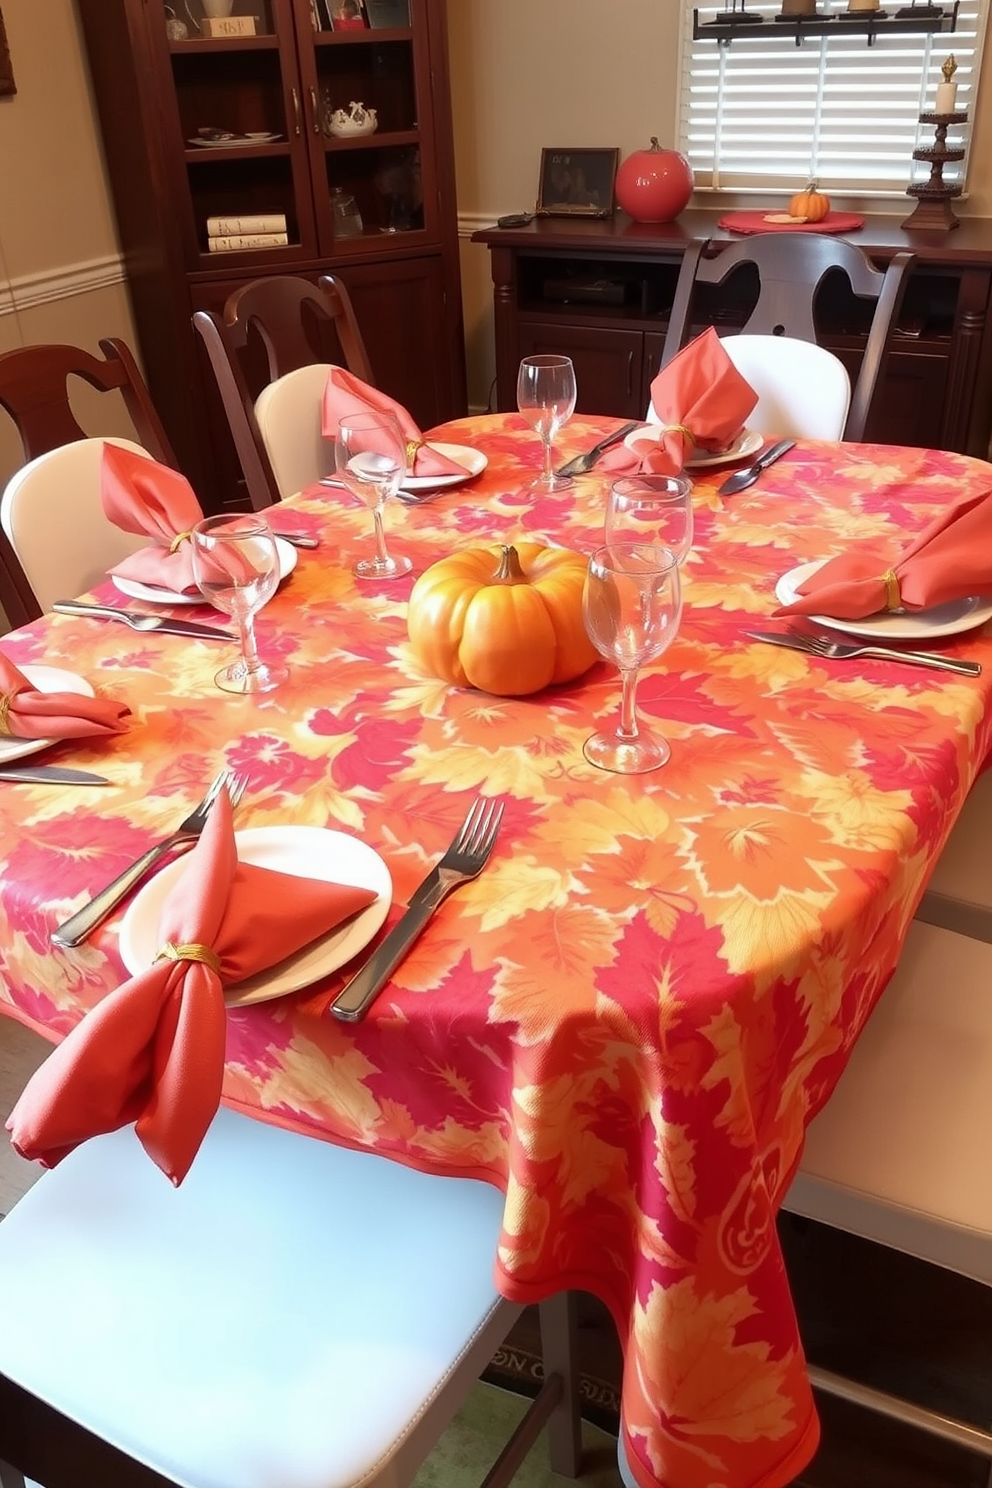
(194, 952)
(679, 429)
(893, 599)
(5, 701)
(178, 541)
(412, 446)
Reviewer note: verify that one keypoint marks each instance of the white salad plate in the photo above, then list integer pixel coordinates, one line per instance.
(896, 625)
(306, 852)
(152, 594)
(473, 460)
(237, 141)
(45, 679)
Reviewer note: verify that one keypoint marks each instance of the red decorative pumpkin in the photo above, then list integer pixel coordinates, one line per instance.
(654, 185)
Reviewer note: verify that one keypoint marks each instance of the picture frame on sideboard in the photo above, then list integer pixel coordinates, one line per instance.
(577, 182)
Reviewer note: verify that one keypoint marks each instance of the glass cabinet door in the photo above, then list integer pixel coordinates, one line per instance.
(240, 117)
(372, 149)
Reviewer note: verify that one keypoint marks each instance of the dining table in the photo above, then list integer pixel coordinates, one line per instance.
(628, 1019)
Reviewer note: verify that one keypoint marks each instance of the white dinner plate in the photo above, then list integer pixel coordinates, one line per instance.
(45, 679)
(306, 852)
(898, 625)
(473, 460)
(152, 594)
(747, 443)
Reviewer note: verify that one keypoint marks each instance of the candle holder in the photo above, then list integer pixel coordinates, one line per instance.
(934, 196)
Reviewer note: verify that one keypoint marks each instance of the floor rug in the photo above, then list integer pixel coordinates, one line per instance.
(481, 1430)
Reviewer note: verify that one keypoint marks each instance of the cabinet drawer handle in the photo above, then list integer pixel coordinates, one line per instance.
(313, 105)
(296, 111)
(630, 373)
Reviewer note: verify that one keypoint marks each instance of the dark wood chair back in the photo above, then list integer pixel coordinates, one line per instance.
(34, 391)
(268, 328)
(790, 269)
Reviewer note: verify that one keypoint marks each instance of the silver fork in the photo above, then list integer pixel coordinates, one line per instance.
(842, 650)
(464, 860)
(93, 913)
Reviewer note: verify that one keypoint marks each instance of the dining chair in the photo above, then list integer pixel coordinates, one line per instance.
(54, 524)
(268, 328)
(295, 1312)
(959, 893)
(899, 1153)
(803, 390)
(792, 269)
(36, 384)
(288, 413)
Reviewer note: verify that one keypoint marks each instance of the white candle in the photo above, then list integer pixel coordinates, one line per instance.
(946, 94)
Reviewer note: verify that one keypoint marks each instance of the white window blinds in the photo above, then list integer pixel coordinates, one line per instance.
(761, 112)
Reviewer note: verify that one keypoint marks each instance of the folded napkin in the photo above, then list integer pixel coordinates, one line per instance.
(140, 495)
(950, 559)
(346, 395)
(152, 1051)
(26, 713)
(701, 401)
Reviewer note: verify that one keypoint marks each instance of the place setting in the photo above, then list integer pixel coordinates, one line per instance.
(41, 706)
(939, 587)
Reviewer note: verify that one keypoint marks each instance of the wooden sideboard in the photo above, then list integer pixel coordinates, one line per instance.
(600, 292)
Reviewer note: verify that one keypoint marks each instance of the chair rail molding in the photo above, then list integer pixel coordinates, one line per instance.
(27, 291)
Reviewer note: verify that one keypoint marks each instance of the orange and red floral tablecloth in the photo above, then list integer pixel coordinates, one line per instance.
(628, 1019)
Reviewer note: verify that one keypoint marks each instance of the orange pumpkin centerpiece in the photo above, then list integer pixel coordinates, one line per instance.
(507, 620)
(811, 204)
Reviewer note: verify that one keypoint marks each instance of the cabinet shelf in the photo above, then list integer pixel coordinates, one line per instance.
(799, 27)
(362, 38)
(267, 42)
(375, 141)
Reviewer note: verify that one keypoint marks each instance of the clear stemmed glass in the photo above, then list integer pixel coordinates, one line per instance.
(370, 459)
(236, 566)
(654, 509)
(632, 605)
(546, 398)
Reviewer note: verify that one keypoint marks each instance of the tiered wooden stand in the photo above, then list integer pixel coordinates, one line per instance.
(934, 197)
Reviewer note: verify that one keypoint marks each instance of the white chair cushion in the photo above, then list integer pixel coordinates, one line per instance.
(803, 390)
(53, 516)
(288, 415)
(900, 1152)
(294, 1314)
(959, 894)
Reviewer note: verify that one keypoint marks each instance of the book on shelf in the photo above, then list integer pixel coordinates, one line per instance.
(226, 227)
(232, 242)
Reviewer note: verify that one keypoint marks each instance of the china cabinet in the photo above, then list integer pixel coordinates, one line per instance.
(601, 292)
(228, 160)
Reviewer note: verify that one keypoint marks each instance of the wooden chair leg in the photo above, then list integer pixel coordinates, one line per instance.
(560, 1350)
(10, 1477)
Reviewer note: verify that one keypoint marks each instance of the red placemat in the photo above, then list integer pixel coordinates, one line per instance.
(754, 222)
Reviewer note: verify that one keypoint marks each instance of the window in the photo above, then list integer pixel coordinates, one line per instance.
(761, 112)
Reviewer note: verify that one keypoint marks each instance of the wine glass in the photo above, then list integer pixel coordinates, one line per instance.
(236, 566)
(632, 605)
(370, 459)
(653, 509)
(546, 398)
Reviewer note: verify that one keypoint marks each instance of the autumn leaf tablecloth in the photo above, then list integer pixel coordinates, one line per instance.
(627, 1021)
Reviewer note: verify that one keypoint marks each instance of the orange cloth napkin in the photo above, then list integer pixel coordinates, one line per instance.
(346, 395)
(140, 495)
(702, 401)
(152, 1051)
(26, 713)
(951, 559)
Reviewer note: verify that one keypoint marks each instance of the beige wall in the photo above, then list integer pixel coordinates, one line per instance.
(524, 76)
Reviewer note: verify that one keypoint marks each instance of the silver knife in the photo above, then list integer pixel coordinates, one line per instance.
(866, 648)
(142, 621)
(741, 479)
(581, 463)
(50, 775)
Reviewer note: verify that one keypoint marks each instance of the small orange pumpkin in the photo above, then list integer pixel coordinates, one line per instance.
(507, 620)
(811, 204)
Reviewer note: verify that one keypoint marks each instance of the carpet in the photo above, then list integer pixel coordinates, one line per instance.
(482, 1428)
